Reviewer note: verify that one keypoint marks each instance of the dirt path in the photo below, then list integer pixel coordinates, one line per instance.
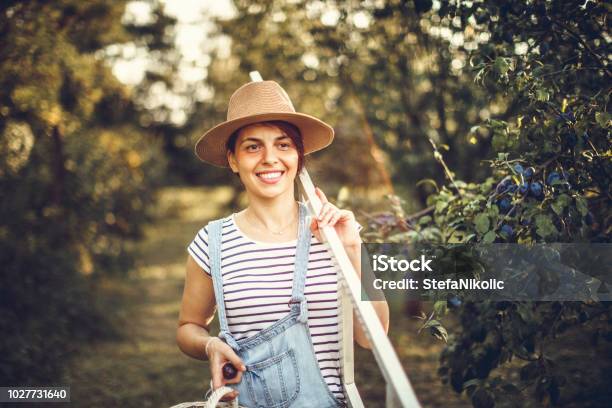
(145, 367)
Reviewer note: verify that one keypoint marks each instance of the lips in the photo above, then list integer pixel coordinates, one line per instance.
(270, 177)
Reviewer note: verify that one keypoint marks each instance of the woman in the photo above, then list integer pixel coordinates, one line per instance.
(279, 314)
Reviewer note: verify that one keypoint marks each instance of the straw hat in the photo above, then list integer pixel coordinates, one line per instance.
(258, 102)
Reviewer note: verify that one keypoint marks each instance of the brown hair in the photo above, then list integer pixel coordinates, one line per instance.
(287, 128)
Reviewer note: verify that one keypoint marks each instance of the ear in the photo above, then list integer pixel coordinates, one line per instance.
(231, 159)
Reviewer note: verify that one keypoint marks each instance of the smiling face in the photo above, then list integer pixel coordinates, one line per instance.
(266, 159)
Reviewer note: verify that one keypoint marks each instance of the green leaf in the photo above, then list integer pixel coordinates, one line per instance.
(441, 205)
(439, 332)
(542, 95)
(581, 205)
(603, 119)
(400, 237)
(560, 204)
(501, 65)
(440, 307)
(482, 223)
(558, 182)
(498, 142)
(428, 181)
(431, 323)
(471, 383)
(544, 226)
(489, 237)
(425, 220)
(456, 237)
(525, 312)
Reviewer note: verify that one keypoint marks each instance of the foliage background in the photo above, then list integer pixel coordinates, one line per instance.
(435, 103)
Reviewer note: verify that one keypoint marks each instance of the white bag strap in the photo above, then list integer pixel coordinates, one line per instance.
(213, 400)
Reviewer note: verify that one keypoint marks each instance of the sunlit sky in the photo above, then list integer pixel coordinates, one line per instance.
(194, 42)
(192, 29)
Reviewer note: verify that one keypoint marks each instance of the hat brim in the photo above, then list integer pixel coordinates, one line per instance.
(211, 147)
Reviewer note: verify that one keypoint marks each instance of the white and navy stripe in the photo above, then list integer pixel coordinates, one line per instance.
(257, 281)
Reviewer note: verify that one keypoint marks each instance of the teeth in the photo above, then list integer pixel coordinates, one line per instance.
(270, 175)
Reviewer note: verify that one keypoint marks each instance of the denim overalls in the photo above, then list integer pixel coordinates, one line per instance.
(281, 366)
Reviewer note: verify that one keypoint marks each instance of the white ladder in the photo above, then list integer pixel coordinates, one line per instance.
(399, 392)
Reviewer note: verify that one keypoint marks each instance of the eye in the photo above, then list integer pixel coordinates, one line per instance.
(252, 147)
(284, 145)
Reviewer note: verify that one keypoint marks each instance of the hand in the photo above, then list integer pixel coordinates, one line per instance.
(219, 353)
(343, 222)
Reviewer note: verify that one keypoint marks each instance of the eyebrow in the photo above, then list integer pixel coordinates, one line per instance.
(252, 139)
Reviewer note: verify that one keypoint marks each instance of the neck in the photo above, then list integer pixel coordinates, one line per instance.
(273, 213)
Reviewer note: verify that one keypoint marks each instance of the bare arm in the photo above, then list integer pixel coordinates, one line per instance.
(197, 311)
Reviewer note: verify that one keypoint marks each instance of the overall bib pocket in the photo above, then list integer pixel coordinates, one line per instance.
(275, 381)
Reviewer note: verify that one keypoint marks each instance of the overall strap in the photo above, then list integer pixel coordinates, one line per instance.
(302, 253)
(214, 250)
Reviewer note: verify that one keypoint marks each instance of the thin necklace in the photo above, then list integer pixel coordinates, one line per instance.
(269, 230)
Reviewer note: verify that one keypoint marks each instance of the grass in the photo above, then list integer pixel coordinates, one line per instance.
(145, 368)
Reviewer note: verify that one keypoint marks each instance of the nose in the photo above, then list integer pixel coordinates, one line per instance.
(270, 155)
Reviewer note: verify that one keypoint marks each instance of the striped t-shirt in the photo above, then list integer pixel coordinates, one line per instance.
(257, 283)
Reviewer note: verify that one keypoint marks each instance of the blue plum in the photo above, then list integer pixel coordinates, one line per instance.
(504, 205)
(229, 371)
(518, 168)
(536, 189)
(453, 302)
(552, 177)
(507, 230)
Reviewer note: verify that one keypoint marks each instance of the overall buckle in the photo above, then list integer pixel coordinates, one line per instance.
(292, 301)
